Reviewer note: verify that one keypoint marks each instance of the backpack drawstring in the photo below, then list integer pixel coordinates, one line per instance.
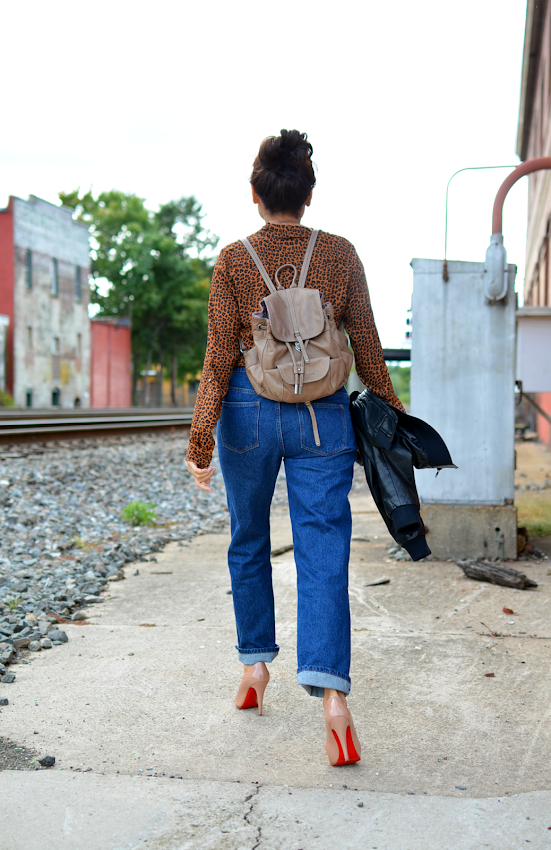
(298, 368)
(302, 346)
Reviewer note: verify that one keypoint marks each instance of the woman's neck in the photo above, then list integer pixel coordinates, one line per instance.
(280, 219)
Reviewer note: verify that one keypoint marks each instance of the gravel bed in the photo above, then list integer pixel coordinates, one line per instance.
(62, 536)
(13, 757)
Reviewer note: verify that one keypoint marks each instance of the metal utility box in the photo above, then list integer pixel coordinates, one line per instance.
(462, 383)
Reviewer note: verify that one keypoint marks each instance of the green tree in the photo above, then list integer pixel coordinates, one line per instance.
(158, 266)
(400, 377)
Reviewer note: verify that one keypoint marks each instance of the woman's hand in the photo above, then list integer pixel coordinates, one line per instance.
(202, 476)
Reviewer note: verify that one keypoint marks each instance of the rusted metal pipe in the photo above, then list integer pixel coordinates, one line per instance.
(538, 164)
(445, 274)
(495, 265)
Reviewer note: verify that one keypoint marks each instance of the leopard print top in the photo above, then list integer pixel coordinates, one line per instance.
(237, 289)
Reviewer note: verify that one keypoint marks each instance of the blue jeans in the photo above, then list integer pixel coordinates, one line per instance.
(254, 436)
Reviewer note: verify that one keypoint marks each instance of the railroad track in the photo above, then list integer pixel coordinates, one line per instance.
(18, 426)
(42, 425)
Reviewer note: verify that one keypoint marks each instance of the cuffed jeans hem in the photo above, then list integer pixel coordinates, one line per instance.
(314, 682)
(253, 656)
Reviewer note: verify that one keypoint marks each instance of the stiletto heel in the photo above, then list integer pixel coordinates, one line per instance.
(252, 687)
(342, 745)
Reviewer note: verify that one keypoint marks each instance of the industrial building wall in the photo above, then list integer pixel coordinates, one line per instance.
(6, 287)
(52, 327)
(535, 141)
(52, 337)
(111, 382)
(537, 289)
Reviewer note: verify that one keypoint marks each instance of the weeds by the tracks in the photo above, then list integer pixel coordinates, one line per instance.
(140, 513)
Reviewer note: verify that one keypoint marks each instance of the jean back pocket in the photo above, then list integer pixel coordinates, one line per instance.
(331, 420)
(239, 424)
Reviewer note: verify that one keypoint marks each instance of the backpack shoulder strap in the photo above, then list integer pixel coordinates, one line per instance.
(258, 263)
(307, 258)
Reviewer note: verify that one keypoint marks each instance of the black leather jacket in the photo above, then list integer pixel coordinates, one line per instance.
(390, 443)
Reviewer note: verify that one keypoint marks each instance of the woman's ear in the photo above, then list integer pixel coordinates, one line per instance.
(255, 196)
(308, 200)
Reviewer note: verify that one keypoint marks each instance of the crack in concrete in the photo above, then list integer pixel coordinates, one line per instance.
(253, 797)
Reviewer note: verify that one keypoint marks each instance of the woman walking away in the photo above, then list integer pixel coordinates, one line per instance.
(273, 379)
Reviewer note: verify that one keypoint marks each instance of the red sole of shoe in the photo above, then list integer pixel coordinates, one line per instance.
(353, 755)
(250, 700)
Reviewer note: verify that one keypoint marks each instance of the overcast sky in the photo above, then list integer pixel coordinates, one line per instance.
(168, 99)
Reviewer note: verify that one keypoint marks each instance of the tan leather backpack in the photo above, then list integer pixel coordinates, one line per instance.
(299, 354)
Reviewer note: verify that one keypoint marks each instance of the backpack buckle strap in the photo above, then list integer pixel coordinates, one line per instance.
(314, 423)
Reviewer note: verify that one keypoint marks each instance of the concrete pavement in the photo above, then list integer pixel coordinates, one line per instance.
(98, 812)
(151, 685)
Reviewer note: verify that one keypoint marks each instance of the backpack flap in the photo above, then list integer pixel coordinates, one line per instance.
(307, 307)
(315, 370)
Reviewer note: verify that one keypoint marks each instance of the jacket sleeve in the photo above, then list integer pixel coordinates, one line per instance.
(221, 356)
(360, 326)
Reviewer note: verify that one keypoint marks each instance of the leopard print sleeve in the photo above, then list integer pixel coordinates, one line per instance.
(364, 338)
(221, 356)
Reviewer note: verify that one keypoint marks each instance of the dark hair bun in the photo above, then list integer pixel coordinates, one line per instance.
(290, 148)
(283, 174)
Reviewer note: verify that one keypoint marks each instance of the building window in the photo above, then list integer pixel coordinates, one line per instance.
(56, 345)
(28, 269)
(56, 397)
(54, 279)
(79, 345)
(78, 283)
(29, 398)
(29, 338)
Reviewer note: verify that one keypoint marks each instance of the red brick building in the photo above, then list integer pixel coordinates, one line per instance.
(110, 379)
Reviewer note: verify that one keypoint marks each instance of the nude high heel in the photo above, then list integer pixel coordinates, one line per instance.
(342, 745)
(252, 687)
